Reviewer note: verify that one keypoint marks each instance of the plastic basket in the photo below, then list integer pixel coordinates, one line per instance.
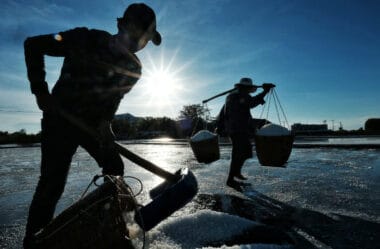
(274, 150)
(206, 151)
(95, 221)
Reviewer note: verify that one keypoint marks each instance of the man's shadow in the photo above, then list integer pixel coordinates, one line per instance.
(285, 224)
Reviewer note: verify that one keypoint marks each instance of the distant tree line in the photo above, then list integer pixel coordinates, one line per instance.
(148, 127)
(372, 125)
(191, 119)
(19, 137)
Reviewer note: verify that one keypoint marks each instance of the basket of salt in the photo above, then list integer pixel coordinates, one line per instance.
(98, 221)
(205, 146)
(273, 145)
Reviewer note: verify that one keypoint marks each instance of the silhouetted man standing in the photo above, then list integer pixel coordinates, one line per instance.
(237, 115)
(98, 69)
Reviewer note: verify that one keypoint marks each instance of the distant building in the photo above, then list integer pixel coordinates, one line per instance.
(309, 128)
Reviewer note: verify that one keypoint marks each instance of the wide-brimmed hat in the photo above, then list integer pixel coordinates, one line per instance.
(143, 16)
(246, 82)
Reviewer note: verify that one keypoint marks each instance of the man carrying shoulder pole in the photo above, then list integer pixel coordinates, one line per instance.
(237, 118)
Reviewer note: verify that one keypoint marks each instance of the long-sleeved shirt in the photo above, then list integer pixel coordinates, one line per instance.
(93, 77)
(237, 111)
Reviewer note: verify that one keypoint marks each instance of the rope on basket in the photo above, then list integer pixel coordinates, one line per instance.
(93, 182)
(272, 96)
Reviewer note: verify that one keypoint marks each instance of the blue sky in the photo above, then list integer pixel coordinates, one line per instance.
(323, 55)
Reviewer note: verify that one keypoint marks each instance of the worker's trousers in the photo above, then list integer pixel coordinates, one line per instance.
(241, 150)
(59, 141)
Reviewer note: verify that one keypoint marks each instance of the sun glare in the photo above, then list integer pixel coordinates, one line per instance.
(163, 84)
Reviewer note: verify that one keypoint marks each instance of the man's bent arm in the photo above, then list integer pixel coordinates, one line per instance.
(257, 100)
(35, 48)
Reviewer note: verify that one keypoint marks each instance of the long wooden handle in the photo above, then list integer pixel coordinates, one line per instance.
(218, 95)
(223, 93)
(145, 163)
(121, 149)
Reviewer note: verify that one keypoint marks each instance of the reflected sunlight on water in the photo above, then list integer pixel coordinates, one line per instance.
(163, 139)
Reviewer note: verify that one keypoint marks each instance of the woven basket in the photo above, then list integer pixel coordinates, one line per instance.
(206, 151)
(95, 221)
(273, 150)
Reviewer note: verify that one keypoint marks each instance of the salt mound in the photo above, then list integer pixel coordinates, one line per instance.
(273, 130)
(202, 228)
(202, 135)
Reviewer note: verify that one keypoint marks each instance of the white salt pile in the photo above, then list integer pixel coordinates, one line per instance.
(202, 228)
(202, 135)
(273, 130)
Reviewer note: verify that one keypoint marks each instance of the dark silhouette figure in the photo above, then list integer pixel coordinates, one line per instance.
(237, 118)
(98, 69)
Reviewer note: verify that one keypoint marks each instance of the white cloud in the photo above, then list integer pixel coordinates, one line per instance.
(15, 121)
(18, 110)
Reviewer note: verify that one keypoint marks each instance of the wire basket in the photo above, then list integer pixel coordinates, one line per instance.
(206, 150)
(274, 150)
(96, 221)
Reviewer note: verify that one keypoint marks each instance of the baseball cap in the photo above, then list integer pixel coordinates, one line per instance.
(144, 17)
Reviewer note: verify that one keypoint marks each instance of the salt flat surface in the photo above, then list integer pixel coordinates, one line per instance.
(327, 181)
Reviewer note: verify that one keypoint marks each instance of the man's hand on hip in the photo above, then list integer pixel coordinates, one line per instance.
(46, 102)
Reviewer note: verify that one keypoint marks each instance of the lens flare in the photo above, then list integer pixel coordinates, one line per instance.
(163, 83)
(58, 37)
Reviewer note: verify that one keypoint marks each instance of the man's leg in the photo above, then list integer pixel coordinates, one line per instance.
(241, 150)
(57, 151)
(239, 166)
(109, 160)
(236, 163)
(235, 166)
(105, 154)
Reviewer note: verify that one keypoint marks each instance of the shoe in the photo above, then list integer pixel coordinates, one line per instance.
(241, 177)
(235, 185)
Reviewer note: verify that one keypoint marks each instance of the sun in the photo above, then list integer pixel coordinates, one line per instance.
(162, 81)
(162, 84)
